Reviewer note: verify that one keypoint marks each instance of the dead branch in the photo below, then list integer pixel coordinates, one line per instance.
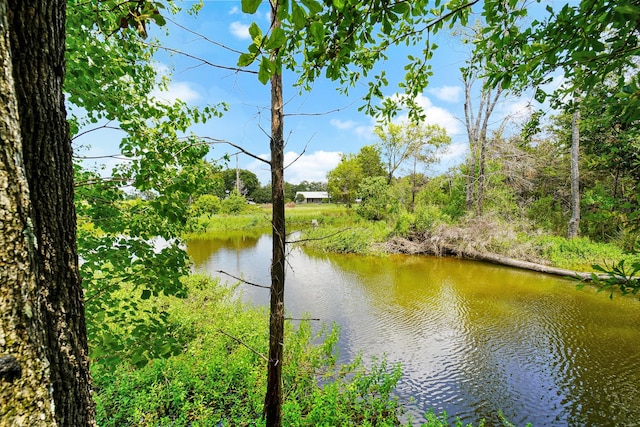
(242, 280)
(239, 341)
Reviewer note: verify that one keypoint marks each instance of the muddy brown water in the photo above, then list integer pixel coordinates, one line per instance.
(473, 338)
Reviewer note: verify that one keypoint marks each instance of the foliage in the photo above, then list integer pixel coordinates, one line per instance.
(588, 41)
(401, 142)
(343, 181)
(405, 224)
(234, 204)
(357, 238)
(428, 217)
(446, 192)
(249, 182)
(129, 248)
(579, 254)
(206, 204)
(370, 161)
(621, 276)
(374, 198)
(219, 378)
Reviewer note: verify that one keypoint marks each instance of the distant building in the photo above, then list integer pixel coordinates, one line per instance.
(311, 196)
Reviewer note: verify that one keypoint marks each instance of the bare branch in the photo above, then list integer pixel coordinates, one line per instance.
(205, 38)
(318, 238)
(239, 341)
(304, 150)
(104, 126)
(242, 280)
(242, 150)
(202, 60)
(100, 181)
(302, 318)
(325, 113)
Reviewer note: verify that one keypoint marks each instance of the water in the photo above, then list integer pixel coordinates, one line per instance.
(473, 338)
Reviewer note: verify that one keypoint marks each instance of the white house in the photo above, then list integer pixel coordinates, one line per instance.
(311, 196)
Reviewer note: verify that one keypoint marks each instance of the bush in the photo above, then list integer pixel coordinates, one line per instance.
(234, 204)
(373, 192)
(220, 378)
(428, 217)
(205, 205)
(405, 224)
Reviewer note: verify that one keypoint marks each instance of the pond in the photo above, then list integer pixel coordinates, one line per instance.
(473, 338)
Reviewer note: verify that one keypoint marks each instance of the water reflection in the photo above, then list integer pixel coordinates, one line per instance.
(473, 338)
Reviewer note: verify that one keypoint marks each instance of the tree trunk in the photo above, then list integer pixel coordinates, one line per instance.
(273, 397)
(574, 221)
(481, 174)
(44, 371)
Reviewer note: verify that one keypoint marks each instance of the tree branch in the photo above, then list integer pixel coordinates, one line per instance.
(202, 60)
(318, 238)
(239, 341)
(242, 280)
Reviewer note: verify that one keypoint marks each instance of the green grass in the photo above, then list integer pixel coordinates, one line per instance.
(220, 377)
(581, 253)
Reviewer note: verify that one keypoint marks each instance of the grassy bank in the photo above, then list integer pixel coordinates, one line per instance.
(220, 377)
(340, 230)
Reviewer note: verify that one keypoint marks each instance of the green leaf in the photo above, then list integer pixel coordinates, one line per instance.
(313, 6)
(338, 4)
(254, 31)
(267, 68)
(298, 17)
(276, 39)
(317, 31)
(250, 6)
(246, 59)
(146, 294)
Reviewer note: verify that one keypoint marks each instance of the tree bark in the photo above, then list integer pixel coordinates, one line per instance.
(574, 221)
(273, 397)
(42, 331)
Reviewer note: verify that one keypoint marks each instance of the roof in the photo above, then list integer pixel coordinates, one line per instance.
(313, 194)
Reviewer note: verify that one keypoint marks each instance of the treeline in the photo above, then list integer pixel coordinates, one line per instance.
(525, 177)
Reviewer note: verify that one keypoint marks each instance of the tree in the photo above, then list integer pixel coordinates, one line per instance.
(374, 195)
(370, 161)
(477, 124)
(344, 179)
(429, 141)
(574, 221)
(249, 182)
(43, 346)
(588, 41)
(396, 146)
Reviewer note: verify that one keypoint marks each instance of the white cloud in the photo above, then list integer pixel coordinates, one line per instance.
(177, 90)
(436, 116)
(308, 167)
(447, 93)
(363, 131)
(234, 10)
(240, 30)
(454, 151)
(343, 125)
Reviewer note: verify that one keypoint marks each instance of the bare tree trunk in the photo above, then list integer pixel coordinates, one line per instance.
(273, 397)
(477, 128)
(481, 174)
(44, 370)
(472, 133)
(574, 221)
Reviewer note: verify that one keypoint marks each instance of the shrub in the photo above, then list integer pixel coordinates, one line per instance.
(206, 204)
(234, 204)
(427, 217)
(220, 378)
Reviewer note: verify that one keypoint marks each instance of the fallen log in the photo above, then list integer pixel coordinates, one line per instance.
(401, 245)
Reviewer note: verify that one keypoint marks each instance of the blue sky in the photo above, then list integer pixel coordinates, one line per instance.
(322, 137)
